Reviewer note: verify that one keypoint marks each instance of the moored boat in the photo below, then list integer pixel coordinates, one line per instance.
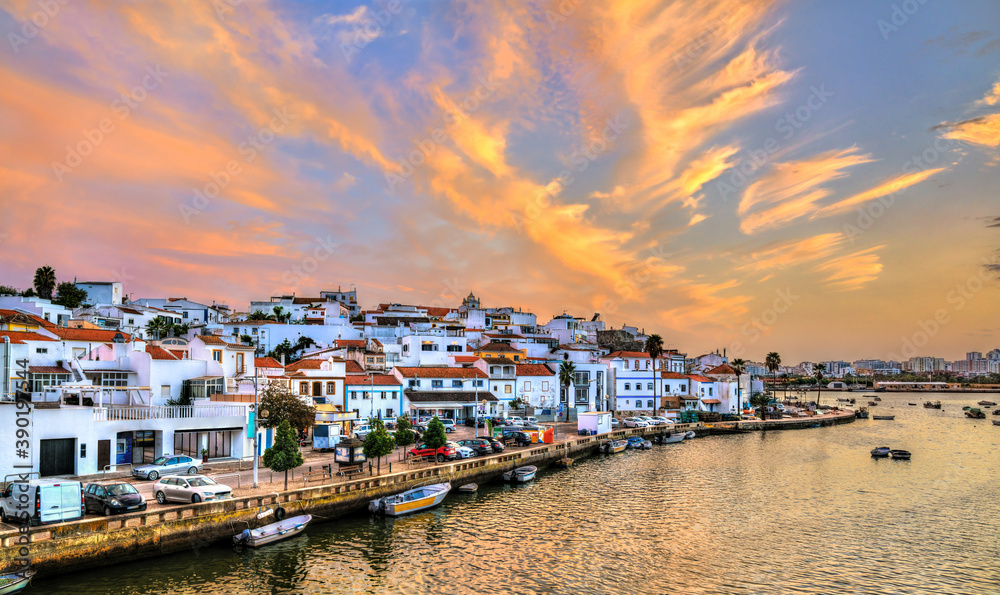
(520, 474)
(975, 413)
(861, 413)
(468, 488)
(878, 398)
(884, 417)
(671, 439)
(274, 532)
(15, 581)
(411, 501)
(934, 405)
(689, 435)
(613, 446)
(880, 452)
(638, 443)
(996, 422)
(903, 455)
(912, 404)
(986, 404)
(872, 403)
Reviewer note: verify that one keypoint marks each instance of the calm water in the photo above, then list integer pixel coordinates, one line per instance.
(803, 511)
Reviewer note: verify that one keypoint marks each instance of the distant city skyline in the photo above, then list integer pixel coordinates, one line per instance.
(816, 179)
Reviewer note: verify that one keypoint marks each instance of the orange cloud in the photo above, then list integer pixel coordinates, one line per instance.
(896, 184)
(853, 271)
(788, 254)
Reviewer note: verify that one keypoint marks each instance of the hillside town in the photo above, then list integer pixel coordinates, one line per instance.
(115, 380)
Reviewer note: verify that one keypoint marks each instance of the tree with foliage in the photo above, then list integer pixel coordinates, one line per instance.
(773, 363)
(379, 442)
(29, 292)
(654, 348)
(434, 436)
(8, 290)
(286, 349)
(285, 454)
(760, 401)
(567, 374)
(357, 318)
(45, 282)
(246, 339)
(258, 316)
(739, 365)
(69, 295)
(158, 328)
(281, 316)
(404, 434)
(281, 405)
(304, 343)
(818, 371)
(179, 330)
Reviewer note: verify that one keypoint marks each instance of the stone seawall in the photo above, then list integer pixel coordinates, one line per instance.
(105, 541)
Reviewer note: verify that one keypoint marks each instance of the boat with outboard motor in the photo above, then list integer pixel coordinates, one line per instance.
(413, 500)
(520, 474)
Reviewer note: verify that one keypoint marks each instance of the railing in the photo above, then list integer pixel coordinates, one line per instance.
(144, 413)
(108, 468)
(503, 376)
(236, 475)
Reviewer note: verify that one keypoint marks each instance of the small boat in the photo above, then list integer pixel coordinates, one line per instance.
(880, 452)
(872, 403)
(853, 401)
(638, 443)
(997, 412)
(934, 405)
(468, 488)
(671, 439)
(689, 435)
(861, 413)
(884, 417)
(520, 474)
(409, 501)
(274, 532)
(912, 404)
(996, 422)
(902, 455)
(613, 446)
(15, 581)
(986, 403)
(975, 413)
(878, 398)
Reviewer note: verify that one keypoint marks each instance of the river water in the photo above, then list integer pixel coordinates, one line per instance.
(804, 511)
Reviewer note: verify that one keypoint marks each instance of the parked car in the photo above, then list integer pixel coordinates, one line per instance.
(531, 421)
(615, 423)
(449, 425)
(662, 420)
(112, 497)
(362, 431)
(480, 445)
(464, 452)
(520, 438)
(515, 421)
(444, 453)
(166, 465)
(649, 420)
(194, 489)
(42, 501)
(495, 444)
(635, 422)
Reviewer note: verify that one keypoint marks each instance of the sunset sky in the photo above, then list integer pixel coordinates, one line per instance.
(813, 178)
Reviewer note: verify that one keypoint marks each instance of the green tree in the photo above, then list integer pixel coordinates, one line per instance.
(69, 295)
(379, 442)
(739, 365)
(29, 292)
(285, 454)
(654, 348)
(818, 371)
(567, 373)
(773, 363)
(257, 316)
(179, 330)
(45, 282)
(280, 315)
(404, 433)
(434, 436)
(760, 401)
(158, 328)
(303, 343)
(284, 349)
(8, 290)
(281, 405)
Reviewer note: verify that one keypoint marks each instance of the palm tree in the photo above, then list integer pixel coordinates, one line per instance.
(257, 315)
(158, 328)
(567, 374)
(760, 401)
(179, 330)
(818, 370)
(654, 347)
(45, 282)
(739, 366)
(773, 363)
(304, 343)
(280, 315)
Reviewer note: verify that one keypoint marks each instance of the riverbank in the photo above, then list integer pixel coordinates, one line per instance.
(105, 541)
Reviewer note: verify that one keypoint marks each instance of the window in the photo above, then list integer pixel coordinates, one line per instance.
(165, 391)
(626, 403)
(650, 386)
(479, 383)
(625, 365)
(236, 331)
(42, 350)
(185, 314)
(527, 385)
(253, 331)
(649, 404)
(506, 389)
(406, 347)
(414, 384)
(369, 360)
(454, 348)
(303, 388)
(131, 321)
(354, 394)
(217, 355)
(710, 391)
(636, 364)
(381, 395)
(40, 381)
(331, 388)
(545, 385)
(456, 384)
(365, 395)
(429, 347)
(581, 377)
(114, 379)
(582, 394)
(628, 386)
(517, 358)
(437, 383)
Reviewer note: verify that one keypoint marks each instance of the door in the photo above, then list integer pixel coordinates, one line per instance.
(70, 502)
(50, 503)
(56, 457)
(103, 454)
(239, 363)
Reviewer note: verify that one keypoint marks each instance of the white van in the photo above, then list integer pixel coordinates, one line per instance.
(42, 501)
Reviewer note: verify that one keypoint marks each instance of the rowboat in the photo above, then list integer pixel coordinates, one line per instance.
(884, 417)
(274, 532)
(880, 452)
(409, 501)
(613, 446)
(689, 435)
(14, 582)
(861, 413)
(672, 439)
(903, 455)
(469, 488)
(934, 405)
(996, 422)
(975, 413)
(986, 403)
(520, 474)
(639, 443)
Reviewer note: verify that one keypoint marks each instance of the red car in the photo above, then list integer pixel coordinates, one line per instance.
(445, 453)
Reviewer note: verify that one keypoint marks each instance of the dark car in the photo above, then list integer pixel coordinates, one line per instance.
(480, 445)
(496, 445)
(519, 438)
(112, 497)
(444, 453)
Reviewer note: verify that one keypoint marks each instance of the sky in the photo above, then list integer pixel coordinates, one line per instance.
(813, 178)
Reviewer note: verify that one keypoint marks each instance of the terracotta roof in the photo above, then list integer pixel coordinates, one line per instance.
(466, 359)
(214, 340)
(354, 367)
(441, 372)
(673, 376)
(47, 370)
(497, 347)
(128, 310)
(447, 396)
(19, 337)
(534, 370)
(700, 378)
(266, 362)
(499, 361)
(84, 334)
(305, 364)
(178, 353)
(157, 352)
(632, 354)
(723, 370)
(711, 401)
(307, 300)
(36, 319)
(357, 343)
(373, 379)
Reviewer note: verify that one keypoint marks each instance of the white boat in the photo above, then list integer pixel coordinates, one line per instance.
(672, 439)
(521, 474)
(613, 446)
(274, 532)
(689, 435)
(14, 582)
(410, 501)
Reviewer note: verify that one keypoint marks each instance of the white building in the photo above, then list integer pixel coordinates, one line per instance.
(102, 292)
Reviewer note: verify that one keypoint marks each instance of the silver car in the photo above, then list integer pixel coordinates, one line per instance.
(194, 489)
(166, 465)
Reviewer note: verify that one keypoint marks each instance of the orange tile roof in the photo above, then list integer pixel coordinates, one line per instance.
(534, 370)
(673, 376)
(441, 372)
(47, 370)
(159, 353)
(19, 337)
(266, 362)
(466, 359)
(373, 379)
(711, 401)
(723, 370)
(84, 334)
(497, 348)
(214, 340)
(632, 354)
(37, 319)
(178, 353)
(354, 367)
(305, 364)
(357, 343)
(700, 378)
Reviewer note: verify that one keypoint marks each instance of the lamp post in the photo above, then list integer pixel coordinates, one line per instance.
(255, 416)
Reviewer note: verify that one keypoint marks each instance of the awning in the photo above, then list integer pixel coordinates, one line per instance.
(711, 401)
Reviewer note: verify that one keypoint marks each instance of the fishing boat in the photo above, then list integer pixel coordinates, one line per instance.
(14, 582)
(902, 455)
(934, 405)
(520, 474)
(975, 413)
(468, 488)
(986, 404)
(613, 446)
(861, 413)
(638, 443)
(884, 417)
(274, 532)
(671, 439)
(409, 501)
(880, 452)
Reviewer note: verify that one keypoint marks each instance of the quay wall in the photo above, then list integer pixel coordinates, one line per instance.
(104, 541)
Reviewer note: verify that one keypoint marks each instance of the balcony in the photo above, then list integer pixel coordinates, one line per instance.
(147, 413)
(499, 376)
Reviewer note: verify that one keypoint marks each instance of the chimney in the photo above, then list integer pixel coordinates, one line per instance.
(282, 360)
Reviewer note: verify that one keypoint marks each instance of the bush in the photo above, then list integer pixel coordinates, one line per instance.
(434, 437)
(404, 434)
